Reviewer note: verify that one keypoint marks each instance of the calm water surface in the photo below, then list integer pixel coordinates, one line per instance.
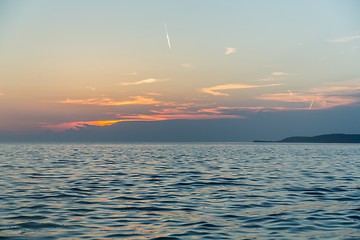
(180, 191)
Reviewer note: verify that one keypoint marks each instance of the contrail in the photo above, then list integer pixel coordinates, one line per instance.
(311, 104)
(167, 36)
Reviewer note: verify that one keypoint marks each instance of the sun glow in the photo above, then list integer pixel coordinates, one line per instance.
(78, 124)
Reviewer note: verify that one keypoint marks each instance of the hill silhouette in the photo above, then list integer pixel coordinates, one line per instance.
(326, 138)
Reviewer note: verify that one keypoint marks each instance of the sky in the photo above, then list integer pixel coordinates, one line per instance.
(79, 64)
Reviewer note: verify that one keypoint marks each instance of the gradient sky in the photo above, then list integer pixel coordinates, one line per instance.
(68, 64)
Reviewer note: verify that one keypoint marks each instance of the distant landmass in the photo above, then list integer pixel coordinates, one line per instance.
(326, 138)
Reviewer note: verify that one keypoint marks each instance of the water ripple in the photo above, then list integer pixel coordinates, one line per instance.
(180, 191)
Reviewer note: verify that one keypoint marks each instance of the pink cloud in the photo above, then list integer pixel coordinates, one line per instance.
(145, 81)
(215, 90)
(328, 96)
(316, 101)
(137, 100)
(76, 125)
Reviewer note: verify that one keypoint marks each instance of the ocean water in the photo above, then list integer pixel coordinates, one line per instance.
(180, 191)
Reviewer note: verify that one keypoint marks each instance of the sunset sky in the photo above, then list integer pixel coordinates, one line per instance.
(70, 64)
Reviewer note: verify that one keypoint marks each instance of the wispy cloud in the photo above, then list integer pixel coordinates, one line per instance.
(344, 39)
(176, 114)
(311, 104)
(170, 111)
(331, 95)
(130, 74)
(317, 101)
(145, 81)
(76, 125)
(154, 94)
(338, 90)
(136, 100)
(279, 74)
(215, 90)
(227, 110)
(275, 76)
(230, 50)
(167, 36)
(187, 65)
(91, 88)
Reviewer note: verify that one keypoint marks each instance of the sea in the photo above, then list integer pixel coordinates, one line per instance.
(180, 191)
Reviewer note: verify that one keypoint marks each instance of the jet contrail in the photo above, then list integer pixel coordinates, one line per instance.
(311, 104)
(167, 36)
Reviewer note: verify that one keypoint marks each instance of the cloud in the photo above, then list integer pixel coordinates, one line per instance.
(215, 89)
(145, 81)
(167, 36)
(230, 50)
(342, 90)
(176, 114)
(169, 112)
(275, 76)
(226, 110)
(191, 116)
(279, 74)
(136, 100)
(344, 39)
(78, 124)
(315, 100)
(154, 94)
(331, 95)
(91, 88)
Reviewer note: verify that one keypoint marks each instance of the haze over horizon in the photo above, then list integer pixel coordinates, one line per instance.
(178, 70)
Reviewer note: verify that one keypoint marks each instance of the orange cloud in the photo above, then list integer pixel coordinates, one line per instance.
(183, 116)
(137, 100)
(156, 115)
(78, 124)
(215, 110)
(176, 113)
(150, 80)
(215, 90)
(140, 118)
(183, 113)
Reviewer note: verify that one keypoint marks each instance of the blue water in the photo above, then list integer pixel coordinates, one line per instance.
(180, 191)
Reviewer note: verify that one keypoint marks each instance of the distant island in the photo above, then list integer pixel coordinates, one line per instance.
(327, 138)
